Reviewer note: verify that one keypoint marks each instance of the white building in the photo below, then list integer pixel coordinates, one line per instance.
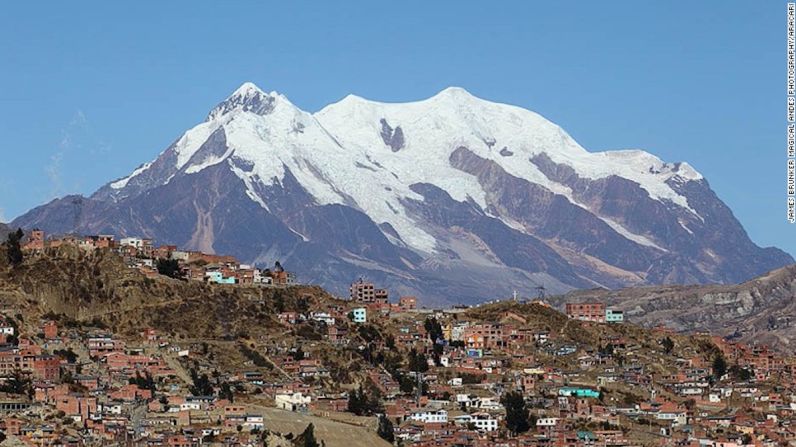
(489, 403)
(546, 422)
(456, 381)
(136, 242)
(429, 416)
(323, 316)
(676, 417)
(252, 421)
(292, 402)
(481, 421)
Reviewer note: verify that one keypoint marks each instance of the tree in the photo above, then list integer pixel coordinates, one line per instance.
(307, 437)
(741, 374)
(201, 384)
(668, 345)
(18, 383)
(417, 361)
(386, 431)
(516, 412)
(169, 267)
(68, 354)
(390, 342)
(719, 366)
(143, 382)
(355, 404)
(434, 329)
(298, 354)
(13, 248)
(226, 392)
(363, 403)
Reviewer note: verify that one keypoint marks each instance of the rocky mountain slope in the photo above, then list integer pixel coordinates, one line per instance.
(452, 198)
(761, 310)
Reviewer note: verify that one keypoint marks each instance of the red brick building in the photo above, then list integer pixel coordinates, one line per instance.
(365, 292)
(47, 367)
(586, 311)
(50, 330)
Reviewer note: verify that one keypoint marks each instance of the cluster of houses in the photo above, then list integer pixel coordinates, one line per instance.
(65, 386)
(142, 254)
(570, 388)
(73, 386)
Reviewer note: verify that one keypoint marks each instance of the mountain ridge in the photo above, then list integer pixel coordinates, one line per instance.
(396, 175)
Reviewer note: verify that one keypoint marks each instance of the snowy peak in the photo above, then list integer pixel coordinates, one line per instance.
(247, 98)
(453, 93)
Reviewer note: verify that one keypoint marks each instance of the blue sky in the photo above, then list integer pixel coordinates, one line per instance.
(89, 91)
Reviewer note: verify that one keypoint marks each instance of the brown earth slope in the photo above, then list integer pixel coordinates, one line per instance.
(761, 310)
(99, 287)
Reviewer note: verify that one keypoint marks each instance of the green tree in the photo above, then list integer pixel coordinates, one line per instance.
(417, 361)
(433, 328)
(226, 392)
(365, 403)
(719, 365)
(169, 267)
(18, 383)
(13, 248)
(355, 399)
(741, 374)
(386, 430)
(668, 345)
(516, 412)
(201, 384)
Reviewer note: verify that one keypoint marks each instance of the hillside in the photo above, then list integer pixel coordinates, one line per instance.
(760, 310)
(99, 287)
(451, 196)
(231, 332)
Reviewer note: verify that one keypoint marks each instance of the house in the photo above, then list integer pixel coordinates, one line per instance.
(586, 311)
(6, 328)
(253, 421)
(292, 401)
(217, 277)
(481, 421)
(336, 334)
(578, 392)
(614, 316)
(406, 303)
(429, 416)
(359, 315)
(47, 367)
(365, 292)
(324, 317)
(36, 241)
(50, 330)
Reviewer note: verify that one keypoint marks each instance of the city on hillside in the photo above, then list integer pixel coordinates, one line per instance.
(372, 367)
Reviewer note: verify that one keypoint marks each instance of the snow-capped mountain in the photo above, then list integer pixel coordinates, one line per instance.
(453, 198)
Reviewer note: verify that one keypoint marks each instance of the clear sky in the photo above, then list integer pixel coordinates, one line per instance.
(90, 90)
